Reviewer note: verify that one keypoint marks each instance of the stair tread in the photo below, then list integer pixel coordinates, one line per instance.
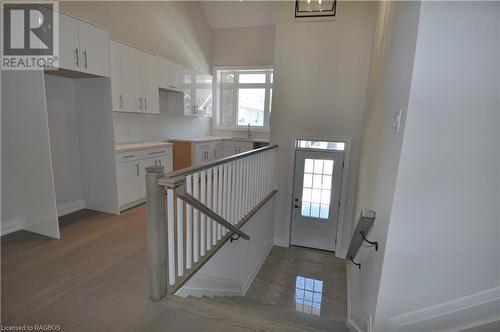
(245, 312)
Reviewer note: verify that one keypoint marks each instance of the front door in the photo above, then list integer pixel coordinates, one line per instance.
(316, 197)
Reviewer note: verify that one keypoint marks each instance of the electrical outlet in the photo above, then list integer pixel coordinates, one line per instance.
(396, 121)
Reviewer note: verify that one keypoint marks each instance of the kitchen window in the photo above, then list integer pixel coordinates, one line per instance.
(243, 96)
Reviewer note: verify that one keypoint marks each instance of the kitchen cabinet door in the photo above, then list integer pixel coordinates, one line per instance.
(149, 83)
(131, 79)
(116, 76)
(94, 48)
(167, 162)
(169, 75)
(129, 184)
(69, 49)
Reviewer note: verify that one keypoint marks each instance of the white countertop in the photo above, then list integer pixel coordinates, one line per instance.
(140, 146)
(217, 138)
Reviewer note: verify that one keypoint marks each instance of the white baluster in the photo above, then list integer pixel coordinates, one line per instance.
(237, 196)
(196, 221)
(226, 196)
(230, 193)
(219, 200)
(189, 225)
(215, 203)
(170, 236)
(203, 219)
(210, 206)
(180, 238)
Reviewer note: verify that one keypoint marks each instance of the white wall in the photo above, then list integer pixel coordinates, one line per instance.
(388, 91)
(64, 142)
(232, 269)
(28, 198)
(177, 30)
(319, 90)
(140, 127)
(442, 258)
(245, 46)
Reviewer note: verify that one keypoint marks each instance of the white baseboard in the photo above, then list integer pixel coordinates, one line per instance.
(250, 279)
(67, 208)
(454, 315)
(281, 243)
(10, 226)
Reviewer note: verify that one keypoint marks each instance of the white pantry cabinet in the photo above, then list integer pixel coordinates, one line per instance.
(170, 75)
(83, 47)
(134, 80)
(131, 173)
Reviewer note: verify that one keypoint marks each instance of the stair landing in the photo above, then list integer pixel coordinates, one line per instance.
(297, 289)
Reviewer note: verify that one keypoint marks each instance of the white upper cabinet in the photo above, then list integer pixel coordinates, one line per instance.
(134, 80)
(170, 75)
(131, 79)
(94, 48)
(69, 48)
(149, 75)
(83, 47)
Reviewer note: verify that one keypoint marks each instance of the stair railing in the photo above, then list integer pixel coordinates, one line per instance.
(192, 212)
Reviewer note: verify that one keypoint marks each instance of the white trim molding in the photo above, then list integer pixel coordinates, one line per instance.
(471, 310)
(256, 270)
(339, 251)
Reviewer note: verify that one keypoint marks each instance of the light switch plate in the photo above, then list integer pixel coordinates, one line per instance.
(396, 121)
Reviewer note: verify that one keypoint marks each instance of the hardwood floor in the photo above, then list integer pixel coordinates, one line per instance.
(94, 278)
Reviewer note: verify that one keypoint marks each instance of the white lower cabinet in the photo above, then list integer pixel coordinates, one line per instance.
(206, 152)
(131, 173)
(129, 182)
(232, 147)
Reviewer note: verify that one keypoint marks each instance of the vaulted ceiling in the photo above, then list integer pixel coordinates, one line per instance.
(232, 14)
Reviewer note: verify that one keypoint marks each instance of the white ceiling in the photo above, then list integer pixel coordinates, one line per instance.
(232, 14)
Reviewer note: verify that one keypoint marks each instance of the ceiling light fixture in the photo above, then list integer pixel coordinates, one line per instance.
(315, 8)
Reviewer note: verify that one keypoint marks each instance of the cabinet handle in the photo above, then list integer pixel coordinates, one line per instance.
(121, 101)
(157, 152)
(85, 59)
(159, 161)
(140, 103)
(137, 169)
(129, 156)
(145, 103)
(77, 60)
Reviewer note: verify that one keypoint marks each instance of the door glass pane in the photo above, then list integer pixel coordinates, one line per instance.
(252, 78)
(316, 188)
(251, 107)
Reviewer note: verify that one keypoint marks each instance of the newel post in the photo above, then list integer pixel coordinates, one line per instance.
(157, 233)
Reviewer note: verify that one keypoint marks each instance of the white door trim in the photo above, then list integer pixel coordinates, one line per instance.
(343, 190)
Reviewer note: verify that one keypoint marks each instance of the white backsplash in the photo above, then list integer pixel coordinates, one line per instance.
(133, 127)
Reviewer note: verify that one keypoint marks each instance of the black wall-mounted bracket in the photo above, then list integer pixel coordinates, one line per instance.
(233, 238)
(357, 264)
(373, 243)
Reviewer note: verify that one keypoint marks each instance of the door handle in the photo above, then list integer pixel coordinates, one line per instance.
(85, 59)
(77, 60)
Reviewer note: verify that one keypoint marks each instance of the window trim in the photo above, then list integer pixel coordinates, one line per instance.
(217, 96)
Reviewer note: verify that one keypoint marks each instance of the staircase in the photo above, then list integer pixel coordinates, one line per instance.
(245, 312)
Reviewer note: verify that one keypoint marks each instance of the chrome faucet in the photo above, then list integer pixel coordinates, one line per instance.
(249, 133)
